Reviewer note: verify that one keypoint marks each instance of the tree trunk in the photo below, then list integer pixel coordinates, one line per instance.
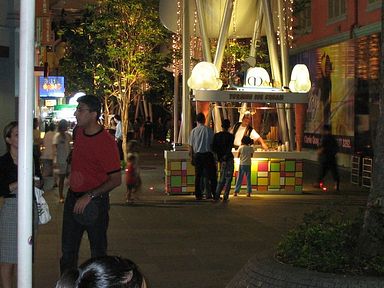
(372, 237)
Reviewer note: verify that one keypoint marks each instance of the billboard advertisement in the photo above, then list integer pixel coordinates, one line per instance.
(51, 86)
(331, 99)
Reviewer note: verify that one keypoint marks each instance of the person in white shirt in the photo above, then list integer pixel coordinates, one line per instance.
(119, 136)
(61, 150)
(244, 128)
(245, 154)
(47, 152)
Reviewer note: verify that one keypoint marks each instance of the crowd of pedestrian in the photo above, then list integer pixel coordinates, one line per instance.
(143, 131)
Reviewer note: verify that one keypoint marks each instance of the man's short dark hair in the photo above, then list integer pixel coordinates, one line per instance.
(92, 102)
(226, 124)
(246, 140)
(200, 118)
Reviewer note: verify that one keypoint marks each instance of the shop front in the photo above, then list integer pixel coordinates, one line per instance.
(272, 172)
(277, 170)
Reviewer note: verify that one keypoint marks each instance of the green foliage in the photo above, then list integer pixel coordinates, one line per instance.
(78, 64)
(327, 242)
(115, 49)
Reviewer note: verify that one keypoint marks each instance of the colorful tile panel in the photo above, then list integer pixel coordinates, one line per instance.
(271, 175)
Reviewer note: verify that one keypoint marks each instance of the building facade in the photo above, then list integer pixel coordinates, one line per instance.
(339, 40)
(9, 39)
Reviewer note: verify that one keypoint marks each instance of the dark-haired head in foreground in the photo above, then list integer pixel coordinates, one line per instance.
(103, 272)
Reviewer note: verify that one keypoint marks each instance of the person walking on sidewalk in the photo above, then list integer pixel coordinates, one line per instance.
(95, 171)
(148, 129)
(200, 151)
(119, 135)
(131, 177)
(245, 155)
(61, 150)
(222, 146)
(326, 152)
(47, 152)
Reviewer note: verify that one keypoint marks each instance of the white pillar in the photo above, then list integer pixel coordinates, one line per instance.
(218, 61)
(186, 105)
(203, 32)
(275, 68)
(176, 107)
(25, 166)
(256, 30)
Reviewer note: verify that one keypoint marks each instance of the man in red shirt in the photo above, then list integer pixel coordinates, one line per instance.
(95, 171)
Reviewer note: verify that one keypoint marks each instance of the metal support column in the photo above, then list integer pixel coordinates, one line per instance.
(203, 32)
(285, 72)
(274, 60)
(25, 167)
(221, 42)
(186, 106)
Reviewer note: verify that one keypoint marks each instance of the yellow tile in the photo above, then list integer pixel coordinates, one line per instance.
(299, 174)
(274, 178)
(262, 181)
(176, 165)
(289, 181)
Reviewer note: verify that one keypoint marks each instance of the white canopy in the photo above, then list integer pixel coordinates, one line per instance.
(242, 22)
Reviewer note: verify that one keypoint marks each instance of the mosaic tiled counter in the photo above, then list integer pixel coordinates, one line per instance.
(272, 172)
(179, 173)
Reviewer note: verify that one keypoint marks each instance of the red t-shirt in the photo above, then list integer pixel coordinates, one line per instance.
(130, 173)
(93, 158)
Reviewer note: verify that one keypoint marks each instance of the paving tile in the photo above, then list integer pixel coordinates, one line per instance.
(181, 243)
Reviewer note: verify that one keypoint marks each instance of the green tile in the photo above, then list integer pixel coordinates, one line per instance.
(298, 188)
(275, 166)
(175, 181)
(190, 179)
(254, 178)
(290, 166)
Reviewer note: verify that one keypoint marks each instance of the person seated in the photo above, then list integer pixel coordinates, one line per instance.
(103, 272)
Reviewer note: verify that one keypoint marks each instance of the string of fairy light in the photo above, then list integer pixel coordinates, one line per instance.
(287, 16)
(195, 47)
(176, 43)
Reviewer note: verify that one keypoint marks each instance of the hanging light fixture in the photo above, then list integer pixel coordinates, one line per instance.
(300, 80)
(257, 77)
(205, 76)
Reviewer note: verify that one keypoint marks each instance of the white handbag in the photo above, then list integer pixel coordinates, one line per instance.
(42, 207)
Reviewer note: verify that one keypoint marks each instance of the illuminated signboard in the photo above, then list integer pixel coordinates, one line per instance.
(52, 86)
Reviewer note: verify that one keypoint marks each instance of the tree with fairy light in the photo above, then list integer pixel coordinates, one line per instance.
(125, 37)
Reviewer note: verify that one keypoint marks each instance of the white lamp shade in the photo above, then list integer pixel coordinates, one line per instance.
(205, 76)
(257, 77)
(300, 80)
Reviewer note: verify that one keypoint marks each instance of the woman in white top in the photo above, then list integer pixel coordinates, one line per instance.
(47, 152)
(61, 150)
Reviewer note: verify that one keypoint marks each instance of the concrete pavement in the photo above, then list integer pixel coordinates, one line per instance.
(178, 242)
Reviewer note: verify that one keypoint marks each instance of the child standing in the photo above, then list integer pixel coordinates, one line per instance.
(131, 176)
(245, 154)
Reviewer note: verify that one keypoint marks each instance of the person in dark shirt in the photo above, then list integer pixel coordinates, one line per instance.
(8, 211)
(148, 128)
(327, 151)
(222, 146)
